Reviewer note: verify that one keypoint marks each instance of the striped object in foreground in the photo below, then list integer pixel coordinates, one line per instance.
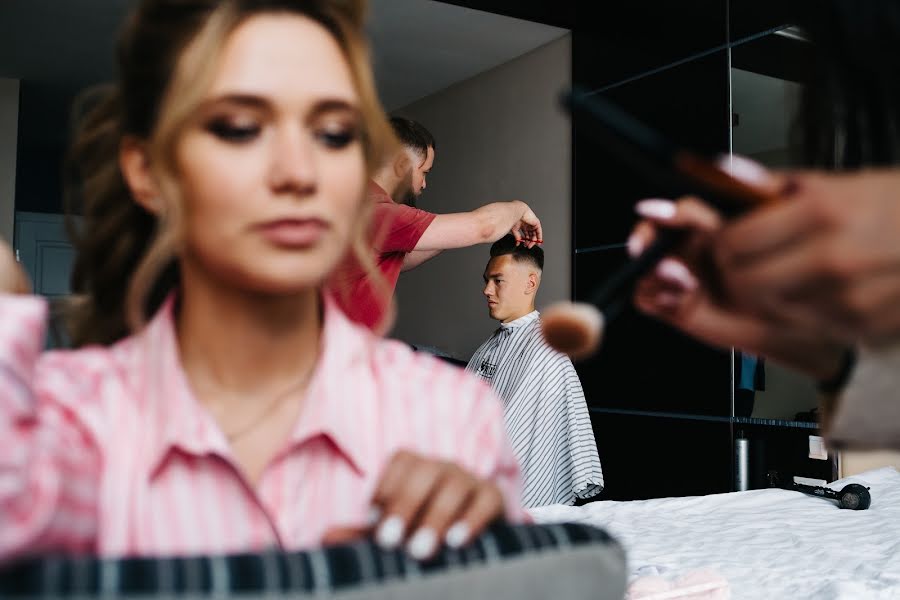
(513, 561)
(545, 412)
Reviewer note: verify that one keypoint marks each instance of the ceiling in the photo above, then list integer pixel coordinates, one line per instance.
(420, 46)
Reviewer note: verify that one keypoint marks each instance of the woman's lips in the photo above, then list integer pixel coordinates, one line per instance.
(294, 233)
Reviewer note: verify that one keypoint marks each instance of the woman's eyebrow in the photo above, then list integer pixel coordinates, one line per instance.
(239, 99)
(329, 105)
(324, 106)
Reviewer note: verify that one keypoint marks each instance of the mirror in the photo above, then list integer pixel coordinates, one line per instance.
(487, 88)
(766, 76)
(484, 84)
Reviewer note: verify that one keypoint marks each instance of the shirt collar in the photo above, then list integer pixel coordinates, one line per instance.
(378, 193)
(341, 402)
(180, 422)
(521, 321)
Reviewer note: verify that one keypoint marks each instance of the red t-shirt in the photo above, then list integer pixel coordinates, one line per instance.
(396, 229)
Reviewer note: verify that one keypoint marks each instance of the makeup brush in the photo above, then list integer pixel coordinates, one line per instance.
(577, 329)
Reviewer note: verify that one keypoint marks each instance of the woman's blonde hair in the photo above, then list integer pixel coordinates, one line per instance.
(126, 265)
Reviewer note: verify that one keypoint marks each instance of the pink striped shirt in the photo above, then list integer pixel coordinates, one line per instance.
(105, 450)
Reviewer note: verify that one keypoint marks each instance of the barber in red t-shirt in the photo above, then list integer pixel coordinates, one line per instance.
(404, 237)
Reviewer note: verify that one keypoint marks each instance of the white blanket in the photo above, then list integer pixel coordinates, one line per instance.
(767, 543)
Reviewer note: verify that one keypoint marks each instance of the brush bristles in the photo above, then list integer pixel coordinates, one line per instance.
(573, 329)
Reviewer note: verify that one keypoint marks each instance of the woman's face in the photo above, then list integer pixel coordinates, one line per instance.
(272, 169)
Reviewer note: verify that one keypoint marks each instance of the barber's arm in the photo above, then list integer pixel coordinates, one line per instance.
(482, 226)
(418, 257)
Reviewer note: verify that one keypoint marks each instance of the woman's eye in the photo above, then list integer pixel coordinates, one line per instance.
(231, 132)
(337, 138)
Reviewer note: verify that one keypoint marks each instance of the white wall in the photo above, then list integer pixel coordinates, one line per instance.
(500, 136)
(9, 127)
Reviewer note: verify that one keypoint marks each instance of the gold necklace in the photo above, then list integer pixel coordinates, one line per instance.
(231, 436)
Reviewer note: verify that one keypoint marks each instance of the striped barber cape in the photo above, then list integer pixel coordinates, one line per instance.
(521, 562)
(546, 415)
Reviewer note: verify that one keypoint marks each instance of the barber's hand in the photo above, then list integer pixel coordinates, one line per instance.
(827, 259)
(12, 277)
(528, 230)
(425, 504)
(685, 291)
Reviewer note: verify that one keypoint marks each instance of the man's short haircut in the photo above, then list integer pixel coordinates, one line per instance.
(413, 134)
(521, 253)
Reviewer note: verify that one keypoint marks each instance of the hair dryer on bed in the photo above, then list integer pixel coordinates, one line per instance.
(853, 496)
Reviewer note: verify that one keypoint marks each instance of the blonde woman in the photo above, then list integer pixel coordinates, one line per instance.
(219, 402)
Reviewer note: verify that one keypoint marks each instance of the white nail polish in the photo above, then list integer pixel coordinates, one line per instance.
(675, 271)
(635, 246)
(743, 168)
(656, 209)
(390, 534)
(374, 516)
(422, 543)
(457, 535)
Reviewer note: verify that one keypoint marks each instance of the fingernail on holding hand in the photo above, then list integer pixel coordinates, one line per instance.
(635, 246)
(390, 533)
(457, 535)
(422, 544)
(742, 168)
(675, 272)
(374, 516)
(656, 209)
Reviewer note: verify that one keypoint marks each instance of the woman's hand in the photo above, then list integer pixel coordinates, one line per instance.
(687, 291)
(426, 503)
(826, 259)
(12, 277)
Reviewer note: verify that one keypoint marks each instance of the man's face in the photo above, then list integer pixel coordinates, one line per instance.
(508, 288)
(420, 169)
(413, 179)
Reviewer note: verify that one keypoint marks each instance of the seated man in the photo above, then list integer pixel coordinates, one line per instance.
(546, 415)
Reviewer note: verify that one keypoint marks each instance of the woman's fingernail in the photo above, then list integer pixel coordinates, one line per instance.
(422, 544)
(656, 209)
(635, 245)
(457, 535)
(374, 516)
(743, 168)
(390, 533)
(674, 271)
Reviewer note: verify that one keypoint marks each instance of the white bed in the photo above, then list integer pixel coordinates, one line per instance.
(766, 543)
